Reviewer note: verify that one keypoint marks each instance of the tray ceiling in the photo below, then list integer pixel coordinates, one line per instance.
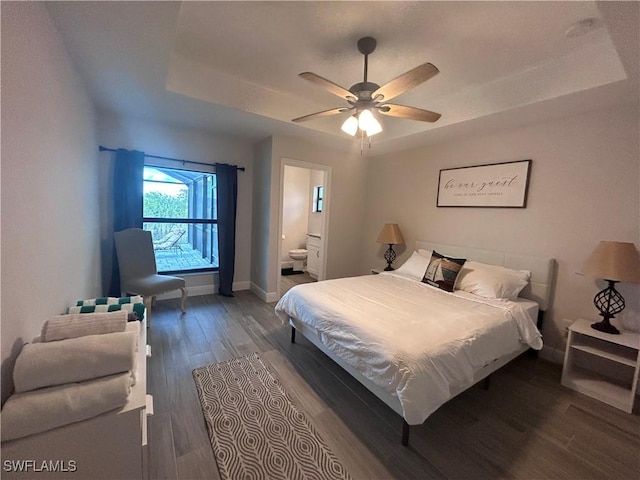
(232, 67)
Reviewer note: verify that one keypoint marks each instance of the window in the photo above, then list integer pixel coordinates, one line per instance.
(318, 194)
(179, 209)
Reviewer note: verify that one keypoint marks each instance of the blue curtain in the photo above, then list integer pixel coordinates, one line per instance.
(127, 202)
(227, 187)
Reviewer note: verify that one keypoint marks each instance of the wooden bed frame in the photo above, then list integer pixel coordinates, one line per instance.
(539, 289)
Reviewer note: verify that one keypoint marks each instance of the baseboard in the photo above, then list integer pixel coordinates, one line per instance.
(237, 286)
(552, 354)
(267, 297)
(198, 290)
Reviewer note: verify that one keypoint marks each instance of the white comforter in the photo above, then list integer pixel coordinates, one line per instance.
(413, 340)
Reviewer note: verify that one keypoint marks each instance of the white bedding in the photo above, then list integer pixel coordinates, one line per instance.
(413, 340)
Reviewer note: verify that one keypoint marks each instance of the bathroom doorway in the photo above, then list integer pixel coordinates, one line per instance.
(304, 217)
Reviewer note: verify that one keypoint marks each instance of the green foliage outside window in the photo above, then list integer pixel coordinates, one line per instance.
(161, 205)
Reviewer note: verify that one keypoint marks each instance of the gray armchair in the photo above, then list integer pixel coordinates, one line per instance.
(138, 271)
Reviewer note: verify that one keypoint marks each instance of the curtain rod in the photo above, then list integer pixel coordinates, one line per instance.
(105, 149)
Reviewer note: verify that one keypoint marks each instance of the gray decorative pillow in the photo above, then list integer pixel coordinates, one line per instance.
(442, 271)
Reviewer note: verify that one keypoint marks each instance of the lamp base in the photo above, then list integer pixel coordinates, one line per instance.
(389, 256)
(606, 327)
(609, 303)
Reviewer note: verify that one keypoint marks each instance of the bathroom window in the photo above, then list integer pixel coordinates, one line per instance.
(318, 195)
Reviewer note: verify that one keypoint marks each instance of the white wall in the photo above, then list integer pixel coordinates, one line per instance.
(347, 192)
(347, 201)
(584, 187)
(295, 209)
(50, 215)
(262, 222)
(194, 145)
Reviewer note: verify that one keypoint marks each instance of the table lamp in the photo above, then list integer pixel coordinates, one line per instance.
(613, 262)
(391, 235)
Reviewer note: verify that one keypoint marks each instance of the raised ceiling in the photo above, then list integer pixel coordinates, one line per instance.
(232, 67)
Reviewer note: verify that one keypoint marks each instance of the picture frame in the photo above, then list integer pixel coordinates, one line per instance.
(494, 185)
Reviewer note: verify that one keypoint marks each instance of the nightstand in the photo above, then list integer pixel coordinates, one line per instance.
(602, 365)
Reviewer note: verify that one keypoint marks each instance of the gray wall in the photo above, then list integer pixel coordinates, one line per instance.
(584, 188)
(50, 215)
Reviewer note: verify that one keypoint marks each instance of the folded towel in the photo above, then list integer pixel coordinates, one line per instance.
(41, 410)
(61, 327)
(66, 361)
(134, 308)
(109, 301)
(135, 328)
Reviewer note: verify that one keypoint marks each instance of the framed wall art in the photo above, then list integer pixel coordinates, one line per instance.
(499, 185)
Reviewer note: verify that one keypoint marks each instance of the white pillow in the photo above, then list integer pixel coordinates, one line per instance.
(416, 265)
(491, 281)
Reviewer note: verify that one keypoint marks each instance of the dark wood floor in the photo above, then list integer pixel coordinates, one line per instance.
(525, 426)
(288, 281)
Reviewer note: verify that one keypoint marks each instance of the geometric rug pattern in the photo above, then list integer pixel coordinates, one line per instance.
(256, 432)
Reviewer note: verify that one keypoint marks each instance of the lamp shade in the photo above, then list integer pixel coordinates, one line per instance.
(391, 235)
(616, 261)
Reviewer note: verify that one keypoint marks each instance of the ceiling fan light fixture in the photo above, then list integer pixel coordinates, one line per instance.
(365, 120)
(350, 125)
(365, 97)
(374, 128)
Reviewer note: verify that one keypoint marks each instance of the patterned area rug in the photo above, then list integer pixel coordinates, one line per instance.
(255, 430)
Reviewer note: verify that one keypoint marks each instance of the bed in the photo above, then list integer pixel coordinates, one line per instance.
(413, 345)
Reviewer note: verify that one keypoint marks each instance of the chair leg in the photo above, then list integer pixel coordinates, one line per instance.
(147, 304)
(183, 300)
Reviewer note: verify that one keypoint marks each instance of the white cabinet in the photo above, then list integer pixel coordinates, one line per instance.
(109, 446)
(314, 255)
(602, 365)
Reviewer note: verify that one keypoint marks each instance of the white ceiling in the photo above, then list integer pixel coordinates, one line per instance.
(232, 67)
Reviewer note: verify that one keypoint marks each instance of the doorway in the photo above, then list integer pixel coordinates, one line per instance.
(304, 217)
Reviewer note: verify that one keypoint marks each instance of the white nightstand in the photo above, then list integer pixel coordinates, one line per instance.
(620, 354)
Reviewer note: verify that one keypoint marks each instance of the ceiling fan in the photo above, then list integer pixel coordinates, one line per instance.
(368, 97)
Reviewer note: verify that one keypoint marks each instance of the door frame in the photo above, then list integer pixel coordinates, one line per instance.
(326, 207)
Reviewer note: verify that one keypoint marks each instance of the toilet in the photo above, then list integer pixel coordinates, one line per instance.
(298, 255)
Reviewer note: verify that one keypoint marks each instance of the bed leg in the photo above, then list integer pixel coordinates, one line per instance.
(405, 433)
(293, 334)
(486, 383)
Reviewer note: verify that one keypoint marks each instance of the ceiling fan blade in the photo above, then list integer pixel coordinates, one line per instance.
(411, 113)
(324, 113)
(405, 82)
(328, 85)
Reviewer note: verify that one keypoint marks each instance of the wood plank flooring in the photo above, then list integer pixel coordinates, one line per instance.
(288, 281)
(526, 426)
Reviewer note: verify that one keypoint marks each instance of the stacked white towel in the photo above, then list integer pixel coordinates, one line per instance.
(48, 408)
(65, 381)
(61, 327)
(48, 364)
